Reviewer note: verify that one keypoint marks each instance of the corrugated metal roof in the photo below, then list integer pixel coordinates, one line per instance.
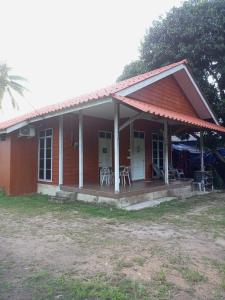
(99, 94)
(168, 114)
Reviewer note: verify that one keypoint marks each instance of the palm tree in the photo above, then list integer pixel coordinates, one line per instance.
(10, 84)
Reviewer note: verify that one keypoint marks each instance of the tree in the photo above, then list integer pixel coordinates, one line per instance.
(10, 84)
(195, 31)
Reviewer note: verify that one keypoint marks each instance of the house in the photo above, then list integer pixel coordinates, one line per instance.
(127, 124)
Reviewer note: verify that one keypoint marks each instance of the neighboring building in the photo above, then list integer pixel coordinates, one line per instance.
(129, 123)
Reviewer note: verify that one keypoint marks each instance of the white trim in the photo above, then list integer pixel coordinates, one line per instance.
(201, 96)
(81, 151)
(55, 114)
(60, 150)
(47, 189)
(202, 151)
(165, 152)
(148, 81)
(39, 179)
(116, 148)
(144, 156)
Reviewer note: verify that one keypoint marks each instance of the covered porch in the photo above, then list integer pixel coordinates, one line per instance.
(128, 138)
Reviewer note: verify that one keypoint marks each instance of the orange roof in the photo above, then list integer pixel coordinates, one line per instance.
(166, 113)
(99, 94)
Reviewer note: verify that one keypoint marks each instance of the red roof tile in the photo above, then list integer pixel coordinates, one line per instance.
(99, 94)
(165, 113)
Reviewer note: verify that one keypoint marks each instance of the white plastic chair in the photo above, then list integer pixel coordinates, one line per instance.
(125, 173)
(105, 176)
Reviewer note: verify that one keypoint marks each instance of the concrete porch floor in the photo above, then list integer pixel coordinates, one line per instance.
(137, 188)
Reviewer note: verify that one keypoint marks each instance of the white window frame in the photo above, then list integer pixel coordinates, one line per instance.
(39, 138)
(158, 141)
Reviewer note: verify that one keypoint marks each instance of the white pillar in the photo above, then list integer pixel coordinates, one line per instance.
(202, 151)
(165, 152)
(60, 150)
(116, 148)
(131, 146)
(81, 151)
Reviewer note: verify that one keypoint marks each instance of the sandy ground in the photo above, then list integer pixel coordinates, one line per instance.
(87, 246)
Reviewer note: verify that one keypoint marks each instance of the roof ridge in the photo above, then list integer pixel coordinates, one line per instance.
(94, 95)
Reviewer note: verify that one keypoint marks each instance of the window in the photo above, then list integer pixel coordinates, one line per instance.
(45, 155)
(157, 150)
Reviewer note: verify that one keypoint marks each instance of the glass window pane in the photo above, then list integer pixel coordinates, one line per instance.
(41, 164)
(142, 135)
(135, 134)
(41, 174)
(48, 163)
(48, 174)
(101, 134)
(108, 135)
(48, 142)
(48, 132)
(48, 153)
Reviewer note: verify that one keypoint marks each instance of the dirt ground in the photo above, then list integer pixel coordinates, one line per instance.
(187, 250)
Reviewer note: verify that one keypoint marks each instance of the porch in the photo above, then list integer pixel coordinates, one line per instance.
(140, 191)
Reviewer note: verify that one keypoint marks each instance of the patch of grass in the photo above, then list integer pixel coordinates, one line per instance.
(179, 259)
(162, 288)
(139, 260)
(34, 205)
(220, 266)
(193, 276)
(122, 264)
(44, 286)
(160, 276)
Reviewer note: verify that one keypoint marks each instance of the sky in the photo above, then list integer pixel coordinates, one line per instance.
(65, 48)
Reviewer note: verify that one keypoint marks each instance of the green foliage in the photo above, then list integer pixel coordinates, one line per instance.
(9, 84)
(192, 276)
(194, 31)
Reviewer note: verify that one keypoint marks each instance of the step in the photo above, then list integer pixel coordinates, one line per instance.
(148, 203)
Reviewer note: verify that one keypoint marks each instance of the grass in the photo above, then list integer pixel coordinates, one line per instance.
(193, 276)
(42, 285)
(34, 205)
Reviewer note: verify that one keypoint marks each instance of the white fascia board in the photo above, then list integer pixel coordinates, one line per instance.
(201, 96)
(82, 106)
(149, 81)
(14, 127)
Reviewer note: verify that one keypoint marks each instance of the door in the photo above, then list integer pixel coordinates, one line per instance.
(138, 156)
(157, 151)
(105, 149)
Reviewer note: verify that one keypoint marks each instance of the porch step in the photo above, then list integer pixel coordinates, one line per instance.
(148, 203)
(140, 198)
(63, 197)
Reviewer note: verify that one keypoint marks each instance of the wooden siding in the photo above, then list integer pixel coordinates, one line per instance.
(5, 154)
(23, 165)
(167, 94)
(92, 126)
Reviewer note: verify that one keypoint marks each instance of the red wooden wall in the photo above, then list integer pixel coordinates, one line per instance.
(5, 154)
(166, 93)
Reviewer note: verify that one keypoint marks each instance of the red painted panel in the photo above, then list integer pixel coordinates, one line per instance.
(23, 165)
(5, 154)
(167, 94)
